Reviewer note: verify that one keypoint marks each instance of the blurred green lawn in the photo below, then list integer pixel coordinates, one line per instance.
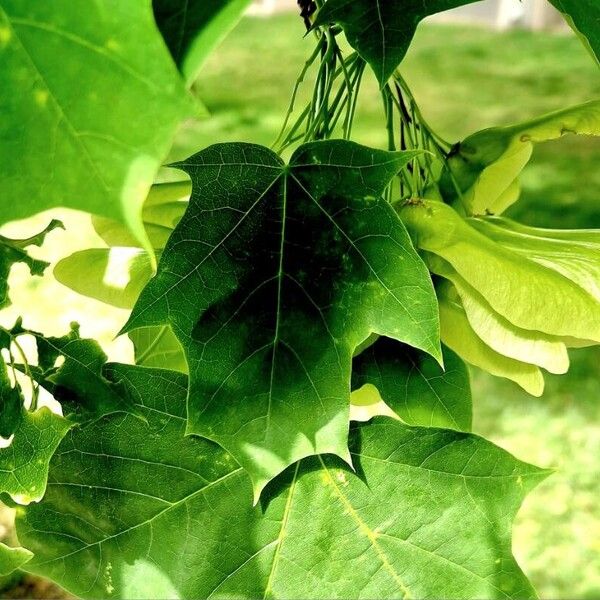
(464, 79)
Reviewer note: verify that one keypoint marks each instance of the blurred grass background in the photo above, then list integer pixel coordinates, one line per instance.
(464, 79)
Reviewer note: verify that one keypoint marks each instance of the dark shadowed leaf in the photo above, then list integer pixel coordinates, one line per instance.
(192, 28)
(271, 279)
(71, 368)
(414, 385)
(11, 401)
(584, 17)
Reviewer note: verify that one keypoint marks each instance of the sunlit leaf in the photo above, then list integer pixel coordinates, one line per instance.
(129, 502)
(530, 295)
(115, 275)
(96, 99)
(575, 254)
(500, 334)
(162, 210)
(24, 463)
(158, 347)
(458, 334)
(12, 559)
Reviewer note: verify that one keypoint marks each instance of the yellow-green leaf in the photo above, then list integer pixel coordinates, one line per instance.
(498, 333)
(485, 166)
(162, 210)
(115, 275)
(12, 559)
(458, 335)
(530, 295)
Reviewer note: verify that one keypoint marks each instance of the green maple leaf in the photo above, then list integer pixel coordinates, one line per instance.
(31, 438)
(381, 30)
(156, 513)
(414, 385)
(92, 87)
(192, 28)
(271, 279)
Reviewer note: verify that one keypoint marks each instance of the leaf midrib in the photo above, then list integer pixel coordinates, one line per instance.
(281, 537)
(191, 272)
(280, 275)
(371, 535)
